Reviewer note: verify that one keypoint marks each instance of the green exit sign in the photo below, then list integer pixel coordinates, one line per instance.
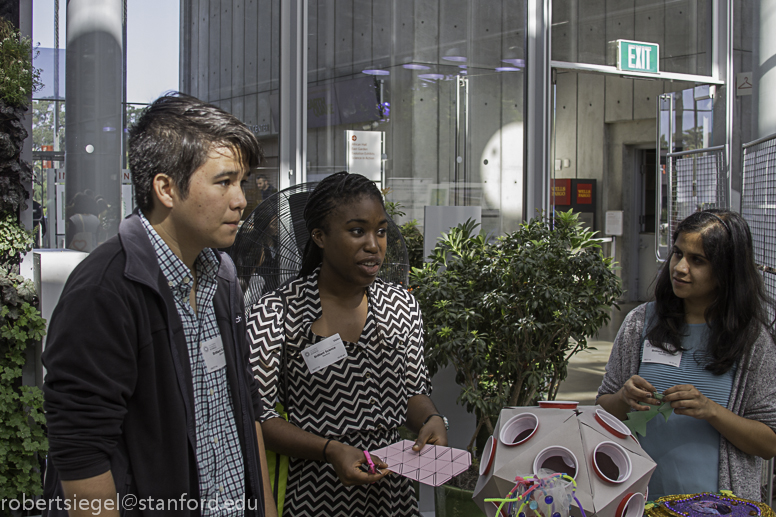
(635, 56)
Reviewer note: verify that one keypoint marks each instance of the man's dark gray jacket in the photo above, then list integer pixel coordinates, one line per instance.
(118, 388)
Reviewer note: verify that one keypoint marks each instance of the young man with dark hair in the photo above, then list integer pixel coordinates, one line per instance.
(265, 187)
(150, 401)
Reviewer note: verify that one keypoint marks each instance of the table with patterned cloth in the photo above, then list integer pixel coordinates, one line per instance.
(706, 504)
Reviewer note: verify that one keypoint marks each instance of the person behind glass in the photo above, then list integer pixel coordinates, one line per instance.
(357, 403)
(706, 347)
(265, 187)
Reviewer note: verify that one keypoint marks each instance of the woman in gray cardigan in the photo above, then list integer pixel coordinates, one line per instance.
(704, 344)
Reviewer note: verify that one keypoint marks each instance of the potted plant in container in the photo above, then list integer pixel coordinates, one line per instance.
(510, 314)
(413, 238)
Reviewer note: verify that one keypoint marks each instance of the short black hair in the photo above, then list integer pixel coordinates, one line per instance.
(333, 191)
(175, 135)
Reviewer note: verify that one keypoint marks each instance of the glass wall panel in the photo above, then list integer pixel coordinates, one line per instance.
(48, 120)
(581, 30)
(231, 58)
(425, 97)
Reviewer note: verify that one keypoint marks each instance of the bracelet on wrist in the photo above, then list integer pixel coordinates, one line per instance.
(325, 459)
(444, 419)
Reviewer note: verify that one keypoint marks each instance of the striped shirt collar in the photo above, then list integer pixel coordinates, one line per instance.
(304, 302)
(175, 271)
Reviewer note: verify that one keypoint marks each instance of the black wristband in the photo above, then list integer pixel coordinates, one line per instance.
(444, 419)
(325, 459)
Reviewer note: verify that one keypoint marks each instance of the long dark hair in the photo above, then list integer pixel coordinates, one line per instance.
(739, 308)
(331, 192)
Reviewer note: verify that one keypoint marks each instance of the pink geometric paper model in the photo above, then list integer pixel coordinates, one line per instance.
(433, 465)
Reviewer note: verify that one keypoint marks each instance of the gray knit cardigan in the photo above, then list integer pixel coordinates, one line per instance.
(752, 396)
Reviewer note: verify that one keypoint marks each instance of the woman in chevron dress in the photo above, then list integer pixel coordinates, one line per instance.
(370, 383)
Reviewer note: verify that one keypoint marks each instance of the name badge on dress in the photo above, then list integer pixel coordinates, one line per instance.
(213, 352)
(324, 353)
(653, 354)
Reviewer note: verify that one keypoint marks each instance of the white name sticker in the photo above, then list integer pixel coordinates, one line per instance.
(324, 353)
(653, 354)
(213, 352)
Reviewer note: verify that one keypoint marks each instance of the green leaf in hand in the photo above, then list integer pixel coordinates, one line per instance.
(665, 408)
(637, 420)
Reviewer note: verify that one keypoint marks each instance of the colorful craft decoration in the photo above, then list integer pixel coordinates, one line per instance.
(609, 469)
(534, 496)
(637, 420)
(432, 465)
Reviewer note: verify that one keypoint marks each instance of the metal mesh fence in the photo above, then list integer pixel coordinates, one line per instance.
(698, 181)
(758, 205)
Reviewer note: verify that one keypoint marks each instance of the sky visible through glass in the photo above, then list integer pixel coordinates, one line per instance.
(153, 42)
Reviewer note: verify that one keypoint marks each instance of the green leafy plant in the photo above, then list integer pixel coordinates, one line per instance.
(21, 407)
(413, 237)
(14, 240)
(18, 78)
(509, 314)
(22, 439)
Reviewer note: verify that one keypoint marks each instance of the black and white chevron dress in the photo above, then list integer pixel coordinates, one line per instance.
(360, 401)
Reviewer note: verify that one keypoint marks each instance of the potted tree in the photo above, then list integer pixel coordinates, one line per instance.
(413, 238)
(510, 314)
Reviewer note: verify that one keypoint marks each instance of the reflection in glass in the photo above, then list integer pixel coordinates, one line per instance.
(440, 85)
(582, 29)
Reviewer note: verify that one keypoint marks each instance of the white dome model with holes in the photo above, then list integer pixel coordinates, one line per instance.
(609, 466)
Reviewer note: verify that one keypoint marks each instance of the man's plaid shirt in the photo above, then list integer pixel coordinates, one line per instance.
(219, 458)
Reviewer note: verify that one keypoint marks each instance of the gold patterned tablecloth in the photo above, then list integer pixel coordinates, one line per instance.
(672, 506)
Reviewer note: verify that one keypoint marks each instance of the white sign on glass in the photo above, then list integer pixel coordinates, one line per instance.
(744, 84)
(613, 222)
(365, 153)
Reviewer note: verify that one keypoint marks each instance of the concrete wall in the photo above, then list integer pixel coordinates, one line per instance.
(764, 57)
(682, 28)
(230, 58)
(420, 130)
(743, 36)
(601, 121)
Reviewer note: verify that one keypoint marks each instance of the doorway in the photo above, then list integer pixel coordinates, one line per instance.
(646, 195)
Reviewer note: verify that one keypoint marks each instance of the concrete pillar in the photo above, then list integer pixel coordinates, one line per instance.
(293, 93)
(764, 64)
(94, 79)
(537, 109)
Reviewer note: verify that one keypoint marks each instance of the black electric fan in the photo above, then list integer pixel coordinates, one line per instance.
(269, 245)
